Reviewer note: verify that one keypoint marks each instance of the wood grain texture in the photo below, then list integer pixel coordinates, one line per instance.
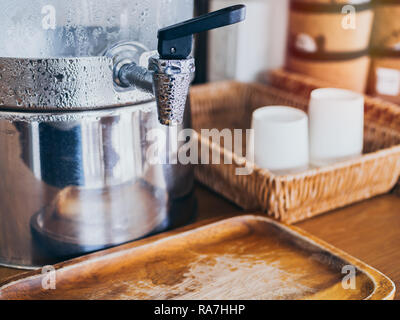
(246, 257)
(373, 229)
(369, 231)
(374, 235)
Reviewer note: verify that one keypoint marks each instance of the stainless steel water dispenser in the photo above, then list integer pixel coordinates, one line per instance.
(81, 87)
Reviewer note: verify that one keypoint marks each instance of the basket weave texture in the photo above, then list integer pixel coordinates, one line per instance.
(293, 197)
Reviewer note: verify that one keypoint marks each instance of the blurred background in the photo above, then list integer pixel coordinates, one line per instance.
(352, 44)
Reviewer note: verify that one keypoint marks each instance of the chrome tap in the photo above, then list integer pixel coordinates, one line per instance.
(171, 71)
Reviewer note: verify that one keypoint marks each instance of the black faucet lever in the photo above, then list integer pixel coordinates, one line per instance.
(175, 42)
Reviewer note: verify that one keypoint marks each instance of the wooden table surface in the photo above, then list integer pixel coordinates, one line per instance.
(370, 230)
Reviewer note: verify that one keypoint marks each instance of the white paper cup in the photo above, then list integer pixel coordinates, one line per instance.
(280, 139)
(336, 125)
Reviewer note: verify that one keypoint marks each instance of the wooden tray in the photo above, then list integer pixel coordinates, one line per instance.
(246, 257)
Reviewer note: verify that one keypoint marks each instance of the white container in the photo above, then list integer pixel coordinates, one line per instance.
(336, 125)
(280, 139)
(241, 52)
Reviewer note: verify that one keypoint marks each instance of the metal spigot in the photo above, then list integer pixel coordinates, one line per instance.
(170, 73)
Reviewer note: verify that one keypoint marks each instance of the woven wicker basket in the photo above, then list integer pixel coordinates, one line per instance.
(292, 198)
(381, 111)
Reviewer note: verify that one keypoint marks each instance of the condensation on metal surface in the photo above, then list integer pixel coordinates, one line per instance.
(171, 86)
(62, 84)
(81, 28)
(59, 45)
(73, 116)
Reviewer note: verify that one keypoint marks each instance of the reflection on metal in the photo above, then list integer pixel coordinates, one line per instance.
(81, 181)
(168, 79)
(172, 80)
(62, 84)
(74, 172)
